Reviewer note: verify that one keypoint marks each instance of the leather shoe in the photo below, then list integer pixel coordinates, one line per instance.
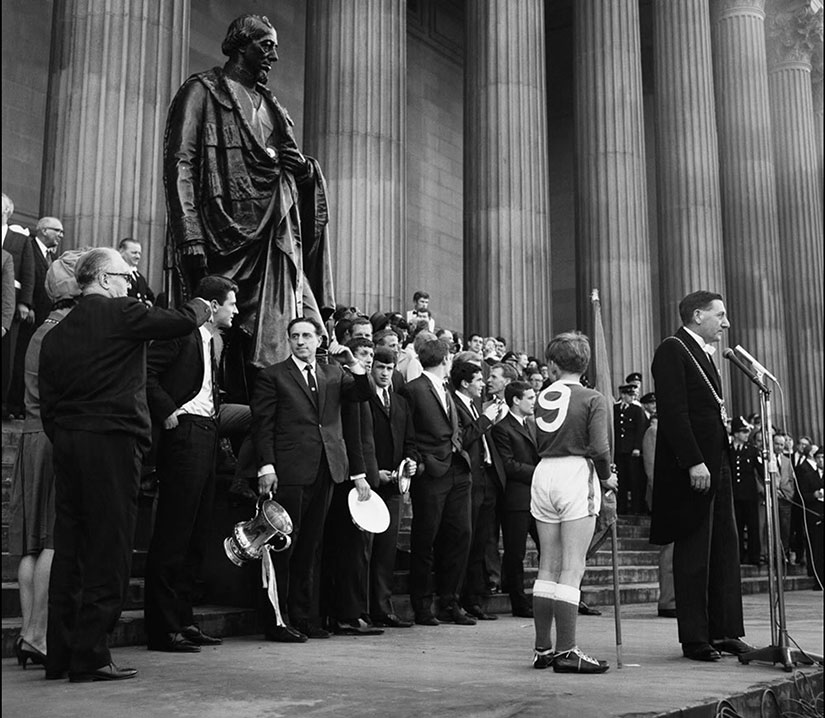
(310, 630)
(285, 634)
(426, 619)
(700, 652)
(478, 612)
(357, 627)
(734, 646)
(455, 614)
(390, 620)
(667, 613)
(585, 610)
(193, 634)
(107, 673)
(174, 643)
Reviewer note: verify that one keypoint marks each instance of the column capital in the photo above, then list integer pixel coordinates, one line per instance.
(792, 33)
(723, 9)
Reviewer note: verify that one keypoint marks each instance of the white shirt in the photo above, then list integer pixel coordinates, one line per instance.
(302, 367)
(438, 383)
(468, 402)
(44, 250)
(201, 404)
(703, 345)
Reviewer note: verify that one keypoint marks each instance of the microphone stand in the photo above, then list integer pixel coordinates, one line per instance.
(780, 650)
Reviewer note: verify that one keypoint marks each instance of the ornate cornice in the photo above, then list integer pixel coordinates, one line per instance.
(793, 35)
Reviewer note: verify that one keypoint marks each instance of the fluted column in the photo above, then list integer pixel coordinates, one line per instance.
(791, 38)
(354, 124)
(611, 192)
(749, 214)
(115, 68)
(819, 115)
(687, 161)
(506, 220)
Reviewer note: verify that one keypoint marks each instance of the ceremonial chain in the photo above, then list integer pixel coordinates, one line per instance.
(723, 412)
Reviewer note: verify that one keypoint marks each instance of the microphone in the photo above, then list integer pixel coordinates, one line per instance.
(755, 364)
(744, 368)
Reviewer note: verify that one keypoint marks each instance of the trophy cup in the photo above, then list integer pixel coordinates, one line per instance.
(249, 538)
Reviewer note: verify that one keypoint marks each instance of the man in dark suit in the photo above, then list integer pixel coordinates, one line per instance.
(487, 475)
(440, 492)
(299, 442)
(692, 498)
(515, 438)
(629, 424)
(184, 399)
(394, 439)
(93, 404)
(47, 236)
(810, 481)
(19, 247)
(131, 250)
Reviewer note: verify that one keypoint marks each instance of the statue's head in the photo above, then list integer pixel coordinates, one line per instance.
(253, 43)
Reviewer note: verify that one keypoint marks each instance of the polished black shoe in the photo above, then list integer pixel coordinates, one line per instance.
(479, 613)
(667, 613)
(390, 620)
(576, 661)
(585, 610)
(455, 614)
(524, 612)
(426, 619)
(106, 673)
(193, 634)
(734, 646)
(173, 643)
(700, 652)
(543, 659)
(285, 634)
(355, 627)
(310, 630)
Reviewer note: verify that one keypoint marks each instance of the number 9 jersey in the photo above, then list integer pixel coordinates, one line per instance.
(573, 421)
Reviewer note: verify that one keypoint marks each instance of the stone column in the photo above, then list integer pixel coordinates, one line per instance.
(354, 124)
(115, 68)
(791, 40)
(819, 116)
(611, 192)
(749, 214)
(506, 220)
(687, 161)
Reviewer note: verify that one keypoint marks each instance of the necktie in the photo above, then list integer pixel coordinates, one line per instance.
(49, 256)
(474, 413)
(531, 429)
(313, 387)
(386, 399)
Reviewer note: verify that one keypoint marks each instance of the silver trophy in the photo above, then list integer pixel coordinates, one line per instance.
(249, 538)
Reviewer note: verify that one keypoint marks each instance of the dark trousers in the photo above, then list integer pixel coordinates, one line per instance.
(186, 491)
(747, 525)
(706, 574)
(96, 487)
(16, 391)
(298, 568)
(784, 509)
(345, 561)
(815, 550)
(9, 346)
(484, 499)
(382, 563)
(515, 527)
(440, 535)
(631, 498)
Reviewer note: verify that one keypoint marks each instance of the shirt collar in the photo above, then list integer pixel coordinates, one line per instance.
(437, 382)
(464, 398)
(703, 345)
(302, 365)
(43, 248)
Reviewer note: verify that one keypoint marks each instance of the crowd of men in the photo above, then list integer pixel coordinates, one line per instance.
(360, 403)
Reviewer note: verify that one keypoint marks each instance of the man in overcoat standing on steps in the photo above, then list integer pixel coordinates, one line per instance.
(692, 494)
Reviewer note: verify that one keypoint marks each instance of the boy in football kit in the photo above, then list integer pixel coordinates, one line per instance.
(572, 437)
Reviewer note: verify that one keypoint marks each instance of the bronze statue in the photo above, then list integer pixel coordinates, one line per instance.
(242, 200)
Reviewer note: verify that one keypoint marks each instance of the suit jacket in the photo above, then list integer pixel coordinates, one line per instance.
(139, 289)
(519, 457)
(471, 432)
(393, 431)
(20, 248)
(174, 373)
(629, 425)
(810, 481)
(41, 303)
(293, 434)
(690, 432)
(93, 364)
(9, 293)
(435, 431)
(359, 440)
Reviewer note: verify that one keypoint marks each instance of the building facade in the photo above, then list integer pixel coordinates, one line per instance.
(506, 156)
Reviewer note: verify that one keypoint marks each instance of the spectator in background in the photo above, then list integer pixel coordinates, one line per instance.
(810, 479)
(421, 310)
(408, 362)
(130, 250)
(475, 343)
(31, 508)
(629, 424)
(785, 492)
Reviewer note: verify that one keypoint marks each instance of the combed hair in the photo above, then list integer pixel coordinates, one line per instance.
(570, 351)
(463, 371)
(508, 371)
(319, 330)
(696, 300)
(360, 343)
(92, 263)
(422, 338)
(127, 240)
(432, 352)
(515, 391)
(242, 30)
(215, 286)
(385, 355)
(342, 327)
(421, 294)
(378, 337)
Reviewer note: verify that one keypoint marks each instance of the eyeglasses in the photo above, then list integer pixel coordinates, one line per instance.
(126, 275)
